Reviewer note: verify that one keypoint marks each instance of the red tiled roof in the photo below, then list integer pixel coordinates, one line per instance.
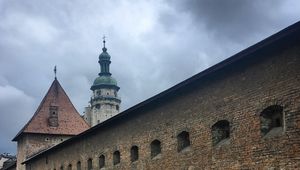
(69, 120)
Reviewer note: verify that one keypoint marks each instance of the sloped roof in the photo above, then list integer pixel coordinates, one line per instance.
(69, 120)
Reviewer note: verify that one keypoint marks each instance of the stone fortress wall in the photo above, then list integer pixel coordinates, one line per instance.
(245, 115)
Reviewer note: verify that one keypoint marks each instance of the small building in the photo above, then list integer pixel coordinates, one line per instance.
(54, 121)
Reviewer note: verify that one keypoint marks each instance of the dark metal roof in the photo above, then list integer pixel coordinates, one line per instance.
(285, 37)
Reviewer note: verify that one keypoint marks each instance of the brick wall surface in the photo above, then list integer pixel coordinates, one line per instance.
(237, 94)
(30, 144)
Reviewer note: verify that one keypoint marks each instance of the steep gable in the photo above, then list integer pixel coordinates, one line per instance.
(68, 120)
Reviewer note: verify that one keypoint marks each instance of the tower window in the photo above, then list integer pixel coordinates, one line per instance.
(220, 132)
(134, 152)
(70, 167)
(117, 107)
(90, 164)
(183, 140)
(101, 161)
(98, 106)
(53, 116)
(271, 119)
(155, 148)
(78, 165)
(116, 157)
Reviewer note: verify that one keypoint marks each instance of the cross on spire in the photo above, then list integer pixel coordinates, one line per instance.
(55, 72)
(104, 40)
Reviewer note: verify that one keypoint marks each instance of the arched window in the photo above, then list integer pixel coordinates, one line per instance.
(101, 161)
(134, 153)
(155, 148)
(220, 132)
(90, 164)
(271, 119)
(70, 167)
(78, 165)
(116, 157)
(183, 140)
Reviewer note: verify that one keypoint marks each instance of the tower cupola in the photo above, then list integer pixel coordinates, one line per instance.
(105, 79)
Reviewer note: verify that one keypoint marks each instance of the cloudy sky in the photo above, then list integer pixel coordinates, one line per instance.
(153, 44)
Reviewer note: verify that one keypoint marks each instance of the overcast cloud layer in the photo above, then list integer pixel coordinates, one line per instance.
(153, 44)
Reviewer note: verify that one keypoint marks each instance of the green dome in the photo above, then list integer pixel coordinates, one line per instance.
(105, 80)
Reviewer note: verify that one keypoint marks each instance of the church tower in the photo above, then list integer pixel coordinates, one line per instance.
(104, 102)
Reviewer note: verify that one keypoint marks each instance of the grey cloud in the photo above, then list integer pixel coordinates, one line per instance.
(234, 20)
(153, 44)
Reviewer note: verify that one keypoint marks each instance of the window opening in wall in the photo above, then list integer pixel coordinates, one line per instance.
(220, 132)
(90, 164)
(134, 153)
(107, 93)
(62, 167)
(116, 157)
(183, 140)
(53, 116)
(271, 120)
(155, 148)
(117, 107)
(70, 167)
(46, 159)
(101, 161)
(78, 165)
(98, 106)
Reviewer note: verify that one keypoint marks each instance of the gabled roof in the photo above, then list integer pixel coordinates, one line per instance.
(285, 38)
(69, 120)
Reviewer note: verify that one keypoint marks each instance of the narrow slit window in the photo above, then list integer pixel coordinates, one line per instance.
(101, 161)
(271, 119)
(116, 157)
(220, 132)
(78, 165)
(90, 164)
(134, 153)
(183, 140)
(155, 148)
(70, 167)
